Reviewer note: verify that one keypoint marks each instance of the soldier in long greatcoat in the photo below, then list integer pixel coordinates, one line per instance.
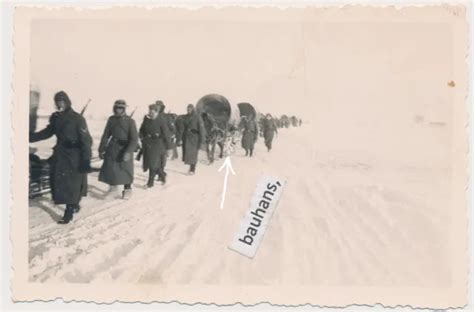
(249, 134)
(156, 140)
(179, 124)
(119, 142)
(174, 133)
(166, 119)
(70, 162)
(269, 129)
(193, 135)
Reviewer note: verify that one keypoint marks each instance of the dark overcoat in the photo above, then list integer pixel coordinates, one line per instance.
(171, 124)
(249, 134)
(269, 130)
(179, 124)
(70, 161)
(156, 140)
(193, 136)
(120, 137)
(172, 129)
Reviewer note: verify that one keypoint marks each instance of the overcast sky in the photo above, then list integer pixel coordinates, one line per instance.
(371, 77)
(142, 61)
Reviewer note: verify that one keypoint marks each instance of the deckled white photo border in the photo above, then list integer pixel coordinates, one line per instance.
(21, 72)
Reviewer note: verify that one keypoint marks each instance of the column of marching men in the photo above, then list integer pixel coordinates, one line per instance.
(159, 135)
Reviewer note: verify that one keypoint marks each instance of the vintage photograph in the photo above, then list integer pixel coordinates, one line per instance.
(149, 131)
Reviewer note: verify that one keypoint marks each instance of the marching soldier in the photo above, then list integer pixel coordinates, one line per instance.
(156, 141)
(70, 162)
(174, 134)
(179, 124)
(269, 129)
(193, 135)
(165, 119)
(249, 134)
(119, 142)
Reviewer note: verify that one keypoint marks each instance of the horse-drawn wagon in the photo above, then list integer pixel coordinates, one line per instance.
(285, 121)
(221, 122)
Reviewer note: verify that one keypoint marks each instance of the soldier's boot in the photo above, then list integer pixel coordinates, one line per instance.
(67, 215)
(126, 193)
(192, 169)
(77, 208)
(151, 178)
(162, 177)
(64, 221)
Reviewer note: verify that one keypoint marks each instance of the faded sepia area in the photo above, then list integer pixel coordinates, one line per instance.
(369, 171)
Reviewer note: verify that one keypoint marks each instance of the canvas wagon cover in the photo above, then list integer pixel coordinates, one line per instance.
(219, 108)
(247, 109)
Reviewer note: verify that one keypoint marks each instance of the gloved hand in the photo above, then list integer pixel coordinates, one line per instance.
(127, 156)
(102, 155)
(85, 166)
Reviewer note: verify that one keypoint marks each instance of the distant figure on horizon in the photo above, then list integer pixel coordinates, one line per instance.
(119, 142)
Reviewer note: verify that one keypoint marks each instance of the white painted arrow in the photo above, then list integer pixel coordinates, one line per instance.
(228, 168)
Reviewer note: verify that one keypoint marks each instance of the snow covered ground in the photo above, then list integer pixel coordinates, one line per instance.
(345, 218)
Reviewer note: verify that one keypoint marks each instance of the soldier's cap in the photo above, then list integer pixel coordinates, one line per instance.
(161, 105)
(62, 96)
(120, 104)
(154, 106)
